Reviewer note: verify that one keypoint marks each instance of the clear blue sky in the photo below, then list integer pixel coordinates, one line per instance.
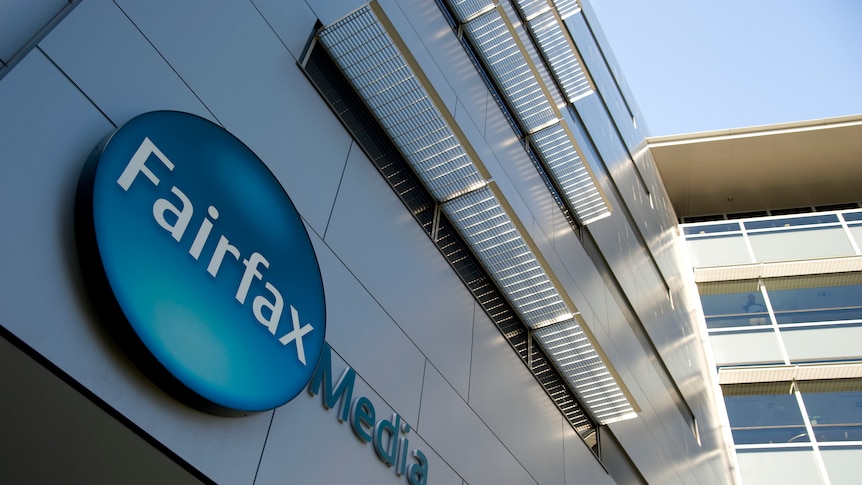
(702, 65)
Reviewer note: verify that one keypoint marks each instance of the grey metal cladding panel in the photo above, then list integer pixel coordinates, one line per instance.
(634, 133)
(308, 444)
(381, 244)
(510, 401)
(107, 57)
(291, 21)
(328, 11)
(578, 275)
(21, 20)
(646, 452)
(455, 431)
(620, 110)
(49, 128)
(581, 466)
(361, 331)
(245, 76)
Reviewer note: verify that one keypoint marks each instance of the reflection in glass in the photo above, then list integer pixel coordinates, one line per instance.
(733, 304)
(818, 298)
(764, 413)
(834, 407)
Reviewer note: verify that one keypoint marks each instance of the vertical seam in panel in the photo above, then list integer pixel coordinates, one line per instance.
(263, 448)
(266, 21)
(195, 94)
(421, 395)
(36, 38)
(338, 188)
(472, 343)
(59, 69)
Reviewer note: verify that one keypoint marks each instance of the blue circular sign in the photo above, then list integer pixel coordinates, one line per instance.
(200, 263)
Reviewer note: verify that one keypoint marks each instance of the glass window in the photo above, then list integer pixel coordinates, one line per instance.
(712, 228)
(823, 344)
(791, 221)
(843, 464)
(718, 251)
(746, 347)
(764, 413)
(818, 298)
(818, 242)
(856, 232)
(785, 466)
(834, 407)
(733, 304)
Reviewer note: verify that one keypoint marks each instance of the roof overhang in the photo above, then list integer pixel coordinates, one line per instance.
(781, 166)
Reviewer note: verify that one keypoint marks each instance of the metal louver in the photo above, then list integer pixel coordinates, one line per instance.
(499, 48)
(373, 59)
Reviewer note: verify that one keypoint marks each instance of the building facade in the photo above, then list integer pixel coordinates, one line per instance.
(777, 265)
(507, 299)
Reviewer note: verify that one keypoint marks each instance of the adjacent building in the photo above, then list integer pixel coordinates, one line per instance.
(773, 225)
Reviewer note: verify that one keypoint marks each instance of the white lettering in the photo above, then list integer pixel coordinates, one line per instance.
(218, 255)
(137, 164)
(275, 309)
(250, 273)
(296, 334)
(203, 233)
(182, 216)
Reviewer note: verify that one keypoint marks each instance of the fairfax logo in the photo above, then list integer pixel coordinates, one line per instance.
(204, 292)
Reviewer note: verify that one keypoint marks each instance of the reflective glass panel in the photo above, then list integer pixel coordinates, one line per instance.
(718, 251)
(834, 407)
(733, 304)
(826, 343)
(843, 464)
(819, 242)
(788, 466)
(856, 232)
(711, 228)
(754, 346)
(791, 221)
(764, 413)
(818, 298)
